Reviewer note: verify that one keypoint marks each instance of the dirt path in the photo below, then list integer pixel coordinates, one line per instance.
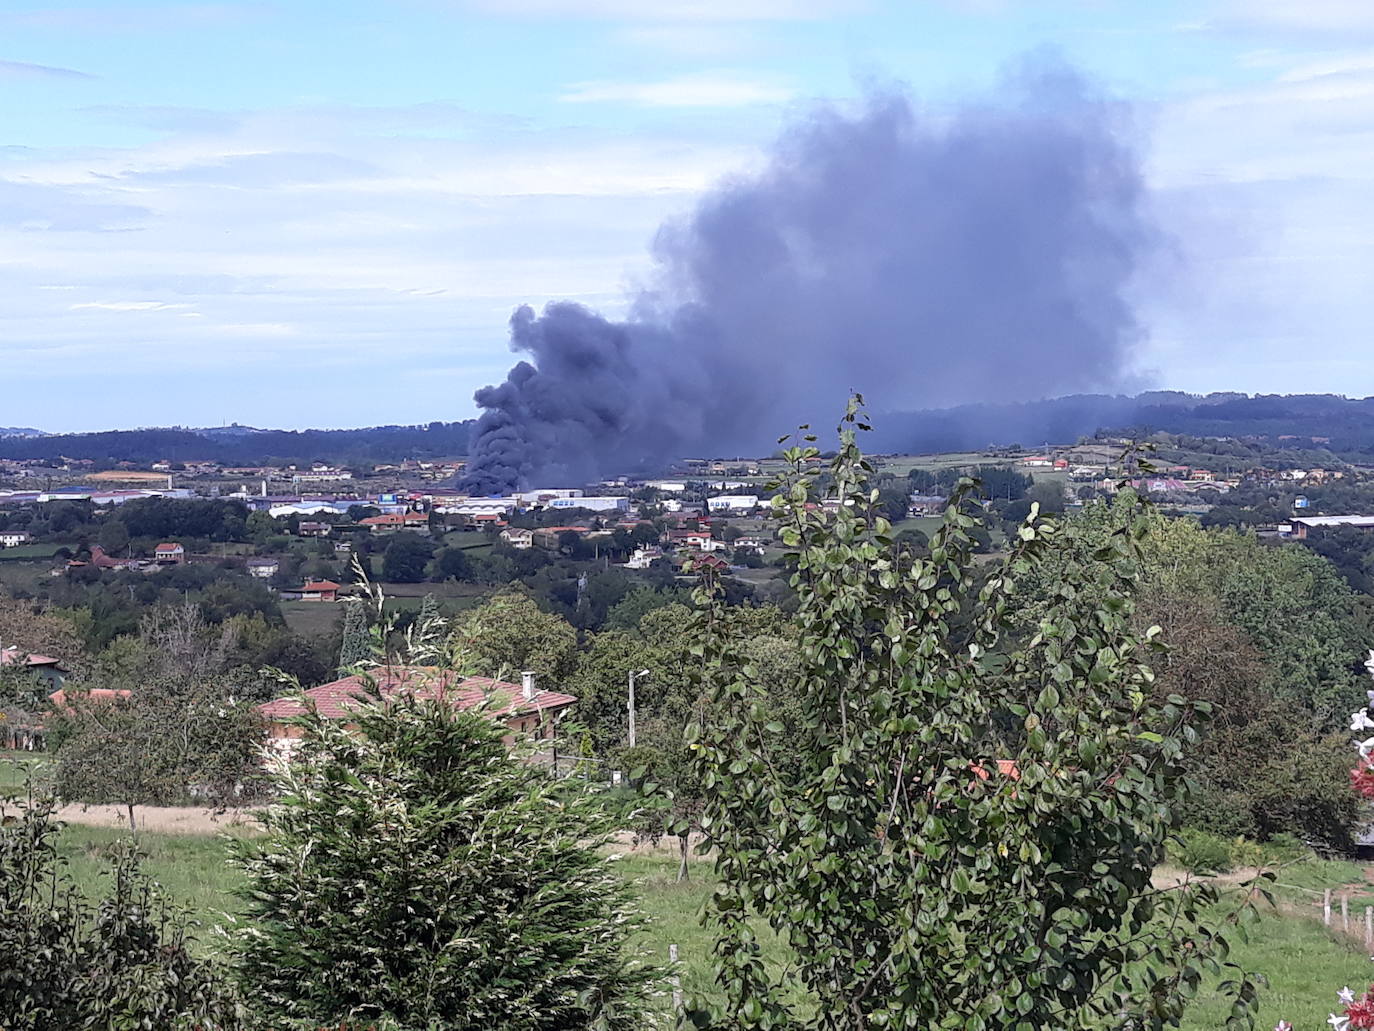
(157, 819)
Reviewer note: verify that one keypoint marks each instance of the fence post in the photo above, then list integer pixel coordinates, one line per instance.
(1345, 912)
(1368, 928)
(674, 980)
(1326, 907)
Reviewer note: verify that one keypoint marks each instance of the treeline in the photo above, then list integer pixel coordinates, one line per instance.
(249, 447)
(1348, 422)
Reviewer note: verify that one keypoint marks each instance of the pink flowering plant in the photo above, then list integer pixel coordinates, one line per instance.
(1357, 1010)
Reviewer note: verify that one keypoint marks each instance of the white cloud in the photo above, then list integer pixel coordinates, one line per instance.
(1263, 192)
(126, 306)
(1335, 17)
(1337, 64)
(277, 247)
(705, 90)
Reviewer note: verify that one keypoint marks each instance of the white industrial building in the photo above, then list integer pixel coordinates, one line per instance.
(732, 503)
(546, 494)
(593, 504)
(477, 506)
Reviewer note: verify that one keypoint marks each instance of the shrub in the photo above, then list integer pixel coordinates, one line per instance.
(127, 962)
(414, 871)
(1200, 852)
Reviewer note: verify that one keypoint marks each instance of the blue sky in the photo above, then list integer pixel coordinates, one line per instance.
(296, 212)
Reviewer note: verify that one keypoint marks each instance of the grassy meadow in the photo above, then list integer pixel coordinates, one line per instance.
(1304, 963)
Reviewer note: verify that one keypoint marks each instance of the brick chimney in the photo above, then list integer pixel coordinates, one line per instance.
(527, 685)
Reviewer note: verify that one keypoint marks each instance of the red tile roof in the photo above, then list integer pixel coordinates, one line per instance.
(390, 519)
(321, 585)
(59, 697)
(11, 656)
(333, 700)
(169, 547)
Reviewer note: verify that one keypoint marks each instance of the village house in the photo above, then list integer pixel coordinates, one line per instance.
(169, 554)
(643, 558)
(388, 523)
(13, 538)
(548, 537)
(314, 529)
(523, 708)
(46, 668)
(320, 590)
(263, 568)
(518, 538)
(699, 560)
(926, 504)
(101, 560)
(752, 541)
(699, 540)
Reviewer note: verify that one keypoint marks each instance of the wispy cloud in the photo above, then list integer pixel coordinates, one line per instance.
(1337, 18)
(683, 91)
(25, 70)
(672, 10)
(126, 306)
(133, 17)
(1337, 64)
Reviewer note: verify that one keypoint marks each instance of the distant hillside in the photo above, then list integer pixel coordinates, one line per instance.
(247, 446)
(1347, 423)
(20, 431)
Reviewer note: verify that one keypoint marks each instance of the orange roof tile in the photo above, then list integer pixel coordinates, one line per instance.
(335, 699)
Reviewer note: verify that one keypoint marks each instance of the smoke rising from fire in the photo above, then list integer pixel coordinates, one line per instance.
(926, 260)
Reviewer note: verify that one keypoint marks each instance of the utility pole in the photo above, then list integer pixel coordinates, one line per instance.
(631, 704)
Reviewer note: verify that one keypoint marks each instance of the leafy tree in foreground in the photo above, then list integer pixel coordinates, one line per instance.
(126, 963)
(413, 871)
(967, 829)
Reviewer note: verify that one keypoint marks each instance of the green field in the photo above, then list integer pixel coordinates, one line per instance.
(316, 618)
(1304, 964)
(14, 767)
(312, 619)
(28, 552)
(24, 576)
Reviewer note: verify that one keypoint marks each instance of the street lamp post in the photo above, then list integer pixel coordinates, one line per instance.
(631, 702)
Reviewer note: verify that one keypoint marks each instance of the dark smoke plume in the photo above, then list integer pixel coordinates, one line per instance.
(925, 260)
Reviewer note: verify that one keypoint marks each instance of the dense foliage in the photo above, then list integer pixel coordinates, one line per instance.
(967, 834)
(414, 870)
(127, 962)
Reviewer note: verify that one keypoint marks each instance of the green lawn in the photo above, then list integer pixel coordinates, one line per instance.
(1304, 964)
(14, 767)
(29, 552)
(311, 619)
(192, 868)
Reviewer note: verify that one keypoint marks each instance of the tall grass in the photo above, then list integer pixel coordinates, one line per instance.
(1304, 964)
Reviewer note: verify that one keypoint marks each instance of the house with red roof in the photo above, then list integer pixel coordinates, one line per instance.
(387, 523)
(321, 590)
(103, 561)
(169, 554)
(522, 707)
(45, 667)
(699, 560)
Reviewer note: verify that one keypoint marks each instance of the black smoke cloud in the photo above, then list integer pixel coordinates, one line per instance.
(926, 259)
